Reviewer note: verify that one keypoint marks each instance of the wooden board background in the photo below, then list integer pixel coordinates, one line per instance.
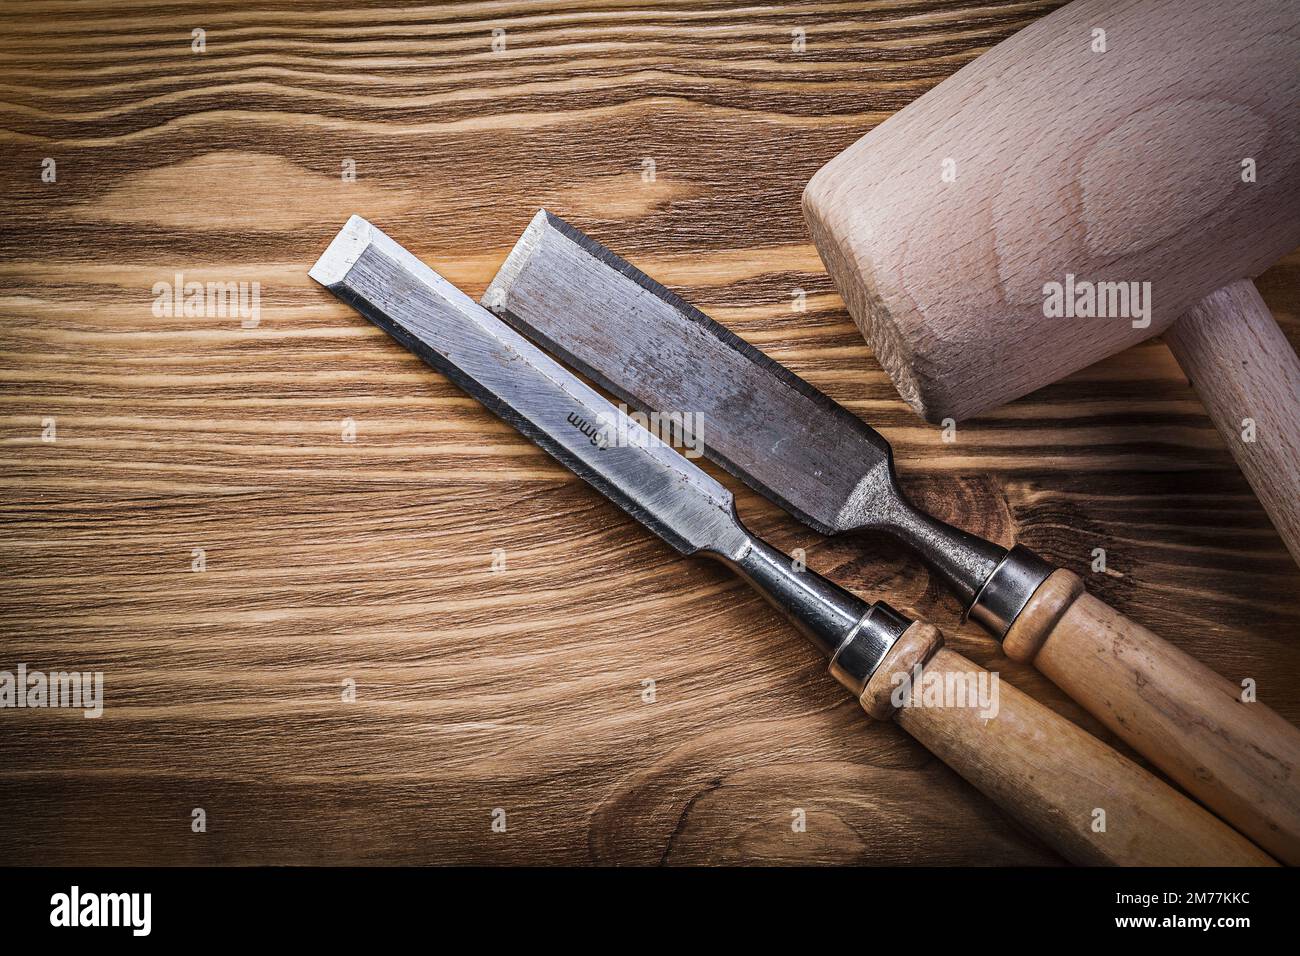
(371, 560)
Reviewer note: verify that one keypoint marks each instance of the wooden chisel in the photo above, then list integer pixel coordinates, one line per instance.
(1056, 779)
(824, 465)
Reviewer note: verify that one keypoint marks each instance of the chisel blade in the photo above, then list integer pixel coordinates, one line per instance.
(529, 390)
(751, 415)
(636, 338)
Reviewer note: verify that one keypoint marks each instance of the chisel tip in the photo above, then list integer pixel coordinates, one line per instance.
(342, 253)
(494, 299)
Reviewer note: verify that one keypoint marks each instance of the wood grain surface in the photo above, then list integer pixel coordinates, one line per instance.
(370, 560)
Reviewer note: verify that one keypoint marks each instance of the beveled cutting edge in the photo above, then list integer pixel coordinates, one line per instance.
(762, 423)
(594, 439)
(525, 386)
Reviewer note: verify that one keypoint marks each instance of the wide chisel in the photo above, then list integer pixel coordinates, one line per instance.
(790, 442)
(1056, 779)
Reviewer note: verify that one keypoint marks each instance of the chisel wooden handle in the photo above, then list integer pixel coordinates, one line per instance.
(1240, 759)
(1080, 796)
(1059, 781)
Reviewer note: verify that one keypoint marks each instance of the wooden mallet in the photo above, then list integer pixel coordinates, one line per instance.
(1111, 172)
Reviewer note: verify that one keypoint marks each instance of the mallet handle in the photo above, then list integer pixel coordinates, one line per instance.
(1243, 367)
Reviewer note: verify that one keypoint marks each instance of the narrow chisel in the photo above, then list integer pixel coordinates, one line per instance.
(1048, 773)
(824, 465)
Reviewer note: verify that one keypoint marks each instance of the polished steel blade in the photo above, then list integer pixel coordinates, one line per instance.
(633, 336)
(761, 422)
(528, 389)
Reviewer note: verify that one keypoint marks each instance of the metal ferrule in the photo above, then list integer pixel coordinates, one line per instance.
(963, 560)
(855, 635)
(823, 612)
(1008, 589)
(861, 652)
(992, 583)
